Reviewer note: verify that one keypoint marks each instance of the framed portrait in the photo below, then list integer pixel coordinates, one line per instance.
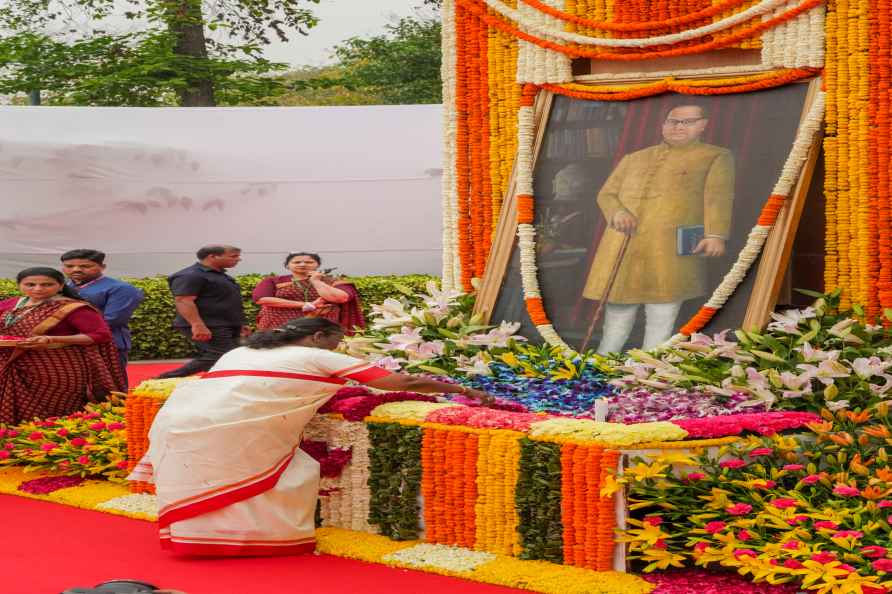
(642, 208)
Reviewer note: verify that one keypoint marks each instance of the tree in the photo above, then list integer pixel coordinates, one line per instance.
(139, 69)
(170, 54)
(401, 66)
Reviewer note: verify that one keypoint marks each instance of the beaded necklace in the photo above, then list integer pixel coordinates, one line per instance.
(11, 318)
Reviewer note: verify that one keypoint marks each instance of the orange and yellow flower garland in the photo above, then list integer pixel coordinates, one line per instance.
(485, 45)
(577, 51)
(139, 412)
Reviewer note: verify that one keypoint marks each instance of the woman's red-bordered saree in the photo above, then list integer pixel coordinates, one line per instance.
(224, 457)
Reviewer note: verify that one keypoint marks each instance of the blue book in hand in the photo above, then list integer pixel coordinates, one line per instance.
(687, 237)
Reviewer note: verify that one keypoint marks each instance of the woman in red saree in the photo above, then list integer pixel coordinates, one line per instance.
(307, 293)
(63, 355)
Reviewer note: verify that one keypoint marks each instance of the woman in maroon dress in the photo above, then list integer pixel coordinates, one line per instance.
(64, 357)
(306, 292)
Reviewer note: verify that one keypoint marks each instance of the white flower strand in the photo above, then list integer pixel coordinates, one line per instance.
(531, 25)
(540, 65)
(451, 264)
(789, 175)
(347, 503)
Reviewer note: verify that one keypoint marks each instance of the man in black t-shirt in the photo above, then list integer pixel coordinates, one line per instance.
(209, 307)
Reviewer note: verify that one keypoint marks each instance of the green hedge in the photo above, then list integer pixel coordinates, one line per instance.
(153, 337)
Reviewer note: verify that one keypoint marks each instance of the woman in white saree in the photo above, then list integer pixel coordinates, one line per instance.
(223, 453)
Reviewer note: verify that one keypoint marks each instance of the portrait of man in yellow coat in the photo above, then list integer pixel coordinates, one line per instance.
(657, 198)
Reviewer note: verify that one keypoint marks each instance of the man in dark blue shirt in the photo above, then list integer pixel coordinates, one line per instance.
(210, 311)
(116, 299)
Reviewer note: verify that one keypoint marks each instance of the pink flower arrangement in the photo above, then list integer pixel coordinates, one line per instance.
(48, 484)
(784, 503)
(824, 557)
(761, 452)
(739, 509)
(484, 418)
(355, 404)
(884, 565)
(874, 551)
(846, 491)
(733, 463)
(848, 534)
(764, 423)
(331, 460)
(706, 582)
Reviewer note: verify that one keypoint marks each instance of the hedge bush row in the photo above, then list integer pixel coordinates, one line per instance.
(154, 338)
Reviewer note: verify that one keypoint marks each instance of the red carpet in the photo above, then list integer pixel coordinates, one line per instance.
(137, 372)
(47, 548)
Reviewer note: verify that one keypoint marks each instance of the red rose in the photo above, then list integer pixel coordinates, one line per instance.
(714, 527)
(761, 452)
(732, 463)
(874, 551)
(739, 509)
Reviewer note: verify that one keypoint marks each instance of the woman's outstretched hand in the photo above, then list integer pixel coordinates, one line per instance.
(483, 398)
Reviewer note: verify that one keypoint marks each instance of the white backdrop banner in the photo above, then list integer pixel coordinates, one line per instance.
(358, 185)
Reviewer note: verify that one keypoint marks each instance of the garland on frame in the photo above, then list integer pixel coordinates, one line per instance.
(525, 199)
(493, 47)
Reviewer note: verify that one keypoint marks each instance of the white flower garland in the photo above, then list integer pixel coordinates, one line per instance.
(526, 233)
(346, 504)
(451, 277)
(534, 25)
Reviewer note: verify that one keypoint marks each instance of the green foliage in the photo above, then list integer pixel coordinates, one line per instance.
(538, 499)
(164, 58)
(154, 338)
(402, 66)
(394, 479)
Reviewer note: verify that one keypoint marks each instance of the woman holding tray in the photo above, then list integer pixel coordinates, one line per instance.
(57, 352)
(307, 292)
(223, 450)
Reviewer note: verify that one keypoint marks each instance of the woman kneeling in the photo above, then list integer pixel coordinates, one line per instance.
(223, 451)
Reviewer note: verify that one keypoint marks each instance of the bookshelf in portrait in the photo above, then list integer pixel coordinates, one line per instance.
(642, 209)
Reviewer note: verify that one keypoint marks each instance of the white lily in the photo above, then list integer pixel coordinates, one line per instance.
(826, 371)
(811, 354)
(835, 405)
(788, 321)
(475, 365)
(390, 363)
(438, 298)
(867, 367)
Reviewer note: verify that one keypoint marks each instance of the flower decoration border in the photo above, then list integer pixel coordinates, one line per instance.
(525, 197)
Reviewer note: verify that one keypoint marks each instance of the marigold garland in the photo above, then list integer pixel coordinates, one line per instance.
(581, 52)
(705, 13)
(140, 409)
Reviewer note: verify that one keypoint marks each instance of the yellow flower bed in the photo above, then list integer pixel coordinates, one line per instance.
(536, 576)
(87, 495)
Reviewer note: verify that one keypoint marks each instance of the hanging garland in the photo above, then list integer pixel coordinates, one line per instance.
(706, 13)
(578, 51)
(528, 25)
(526, 232)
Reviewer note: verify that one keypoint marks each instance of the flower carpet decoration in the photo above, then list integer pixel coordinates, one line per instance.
(642, 405)
(811, 510)
(535, 576)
